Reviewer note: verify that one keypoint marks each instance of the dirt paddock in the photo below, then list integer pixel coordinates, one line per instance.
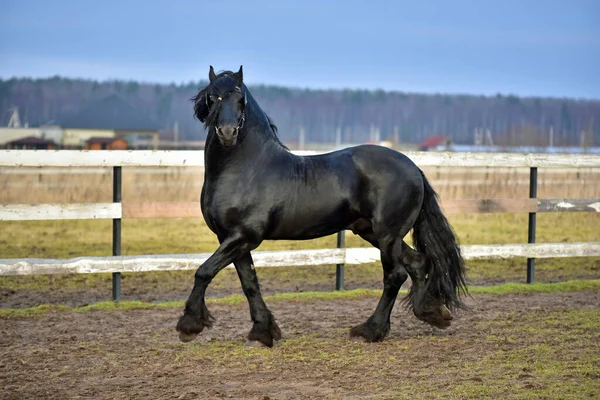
(506, 346)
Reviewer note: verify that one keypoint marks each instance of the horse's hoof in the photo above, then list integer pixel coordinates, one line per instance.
(446, 314)
(440, 324)
(187, 337)
(369, 333)
(439, 318)
(268, 335)
(190, 326)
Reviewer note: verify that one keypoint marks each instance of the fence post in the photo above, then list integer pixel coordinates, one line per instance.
(531, 230)
(339, 268)
(116, 243)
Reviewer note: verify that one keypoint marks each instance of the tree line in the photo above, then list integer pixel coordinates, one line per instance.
(348, 116)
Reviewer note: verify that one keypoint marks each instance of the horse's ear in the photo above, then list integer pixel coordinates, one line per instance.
(239, 77)
(211, 74)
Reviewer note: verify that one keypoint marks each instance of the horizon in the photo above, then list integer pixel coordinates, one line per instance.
(341, 89)
(522, 48)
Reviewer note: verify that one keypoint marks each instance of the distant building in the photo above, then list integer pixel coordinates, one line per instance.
(51, 132)
(31, 143)
(108, 118)
(435, 143)
(11, 134)
(106, 143)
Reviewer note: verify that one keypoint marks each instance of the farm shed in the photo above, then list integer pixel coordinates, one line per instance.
(106, 143)
(31, 143)
(433, 142)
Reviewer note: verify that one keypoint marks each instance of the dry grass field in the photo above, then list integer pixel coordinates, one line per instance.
(77, 238)
(63, 185)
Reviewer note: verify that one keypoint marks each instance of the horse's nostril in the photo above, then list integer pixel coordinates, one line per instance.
(227, 131)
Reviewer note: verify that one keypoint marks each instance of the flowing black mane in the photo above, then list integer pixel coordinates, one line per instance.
(209, 116)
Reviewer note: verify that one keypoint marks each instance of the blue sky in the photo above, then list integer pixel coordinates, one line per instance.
(546, 47)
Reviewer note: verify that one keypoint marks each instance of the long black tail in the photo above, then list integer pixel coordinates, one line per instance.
(434, 237)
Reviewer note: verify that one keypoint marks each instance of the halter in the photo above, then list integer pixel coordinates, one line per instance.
(242, 119)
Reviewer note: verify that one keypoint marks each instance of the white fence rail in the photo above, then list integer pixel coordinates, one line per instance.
(33, 212)
(195, 158)
(286, 258)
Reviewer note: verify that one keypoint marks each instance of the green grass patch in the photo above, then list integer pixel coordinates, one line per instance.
(508, 288)
(31, 311)
(518, 288)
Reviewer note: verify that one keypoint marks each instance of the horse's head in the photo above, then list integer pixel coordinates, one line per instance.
(222, 104)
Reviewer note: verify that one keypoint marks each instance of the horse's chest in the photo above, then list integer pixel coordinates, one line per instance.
(223, 204)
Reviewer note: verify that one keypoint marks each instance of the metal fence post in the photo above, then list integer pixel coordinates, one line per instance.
(531, 230)
(116, 243)
(339, 268)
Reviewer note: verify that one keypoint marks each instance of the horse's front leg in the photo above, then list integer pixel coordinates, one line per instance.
(196, 316)
(264, 330)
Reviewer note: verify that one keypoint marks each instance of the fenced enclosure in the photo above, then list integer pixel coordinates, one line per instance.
(118, 209)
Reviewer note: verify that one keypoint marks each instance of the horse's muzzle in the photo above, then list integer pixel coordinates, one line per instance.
(227, 135)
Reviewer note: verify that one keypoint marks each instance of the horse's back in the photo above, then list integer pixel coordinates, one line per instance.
(369, 167)
(373, 161)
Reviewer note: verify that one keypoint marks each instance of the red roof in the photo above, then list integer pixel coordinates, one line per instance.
(433, 141)
(101, 139)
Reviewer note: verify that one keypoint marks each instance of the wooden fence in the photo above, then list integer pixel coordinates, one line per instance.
(339, 256)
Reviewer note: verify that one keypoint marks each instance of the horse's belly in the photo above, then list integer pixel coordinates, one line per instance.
(311, 221)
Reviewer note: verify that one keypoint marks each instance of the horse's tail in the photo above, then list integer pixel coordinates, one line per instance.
(433, 236)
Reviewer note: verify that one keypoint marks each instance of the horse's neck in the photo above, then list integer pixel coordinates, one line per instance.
(256, 144)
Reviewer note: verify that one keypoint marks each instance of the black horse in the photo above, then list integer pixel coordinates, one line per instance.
(255, 189)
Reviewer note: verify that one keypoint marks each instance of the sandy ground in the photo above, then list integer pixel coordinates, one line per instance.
(136, 354)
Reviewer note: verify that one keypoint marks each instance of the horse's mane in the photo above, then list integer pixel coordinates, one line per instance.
(275, 131)
(209, 116)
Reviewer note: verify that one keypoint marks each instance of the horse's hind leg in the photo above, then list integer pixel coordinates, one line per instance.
(377, 327)
(398, 262)
(425, 306)
(264, 330)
